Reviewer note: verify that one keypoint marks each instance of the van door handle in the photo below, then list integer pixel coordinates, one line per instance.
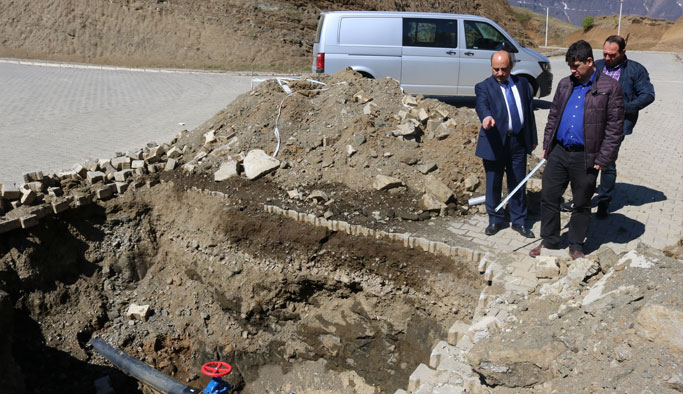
(469, 53)
(451, 53)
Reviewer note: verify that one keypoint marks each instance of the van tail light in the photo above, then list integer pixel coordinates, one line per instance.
(320, 63)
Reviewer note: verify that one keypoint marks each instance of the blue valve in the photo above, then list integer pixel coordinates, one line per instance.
(216, 369)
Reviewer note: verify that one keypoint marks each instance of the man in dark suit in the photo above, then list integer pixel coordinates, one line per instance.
(507, 135)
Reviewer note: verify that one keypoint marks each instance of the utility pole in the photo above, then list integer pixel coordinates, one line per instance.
(621, 4)
(547, 11)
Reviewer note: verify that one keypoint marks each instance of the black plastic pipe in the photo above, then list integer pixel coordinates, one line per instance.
(140, 370)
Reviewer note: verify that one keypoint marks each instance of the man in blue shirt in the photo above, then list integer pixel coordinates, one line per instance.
(582, 137)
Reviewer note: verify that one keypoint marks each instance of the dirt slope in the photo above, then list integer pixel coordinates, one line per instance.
(234, 34)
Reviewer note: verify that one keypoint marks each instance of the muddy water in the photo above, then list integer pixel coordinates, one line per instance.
(292, 307)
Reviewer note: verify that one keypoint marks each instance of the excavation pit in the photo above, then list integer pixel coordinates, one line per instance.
(292, 306)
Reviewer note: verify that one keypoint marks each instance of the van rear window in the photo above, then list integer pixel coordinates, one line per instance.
(370, 31)
(434, 33)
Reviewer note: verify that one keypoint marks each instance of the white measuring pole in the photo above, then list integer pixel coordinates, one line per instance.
(621, 4)
(512, 193)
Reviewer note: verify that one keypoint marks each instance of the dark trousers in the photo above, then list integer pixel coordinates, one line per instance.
(608, 178)
(563, 168)
(513, 164)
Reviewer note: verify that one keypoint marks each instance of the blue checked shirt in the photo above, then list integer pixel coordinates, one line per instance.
(570, 131)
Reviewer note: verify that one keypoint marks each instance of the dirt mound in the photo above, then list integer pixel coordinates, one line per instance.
(234, 35)
(643, 33)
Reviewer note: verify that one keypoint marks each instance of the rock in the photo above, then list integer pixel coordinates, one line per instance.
(435, 187)
(442, 135)
(209, 137)
(409, 100)
(121, 163)
(528, 363)
(226, 171)
(581, 269)
(361, 97)
(471, 183)
(358, 139)
(606, 257)
(138, 312)
(405, 130)
(350, 150)
(174, 153)
(318, 196)
(432, 125)
(369, 108)
(676, 382)
(534, 185)
(422, 115)
(258, 163)
(547, 267)
(170, 165)
(28, 197)
(483, 328)
(94, 176)
(427, 167)
(383, 182)
(661, 325)
(430, 203)
(622, 352)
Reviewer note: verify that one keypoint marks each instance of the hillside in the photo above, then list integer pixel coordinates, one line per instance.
(233, 34)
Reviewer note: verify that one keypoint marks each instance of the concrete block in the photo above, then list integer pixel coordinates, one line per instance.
(483, 328)
(28, 197)
(137, 164)
(36, 186)
(105, 191)
(15, 204)
(409, 100)
(170, 165)
(421, 374)
(10, 192)
(138, 312)
(120, 162)
(123, 175)
(94, 176)
(174, 153)
(29, 221)
(121, 187)
(257, 163)
(9, 225)
(457, 331)
(136, 155)
(80, 170)
(41, 212)
(60, 205)
(33, 177)
(151, 182)
(55, 191)
(383, 182)
(441, 352)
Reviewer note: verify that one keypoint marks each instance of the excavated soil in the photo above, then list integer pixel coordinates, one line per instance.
(223, 281)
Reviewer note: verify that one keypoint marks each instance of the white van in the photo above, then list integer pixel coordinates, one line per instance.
(428, 53)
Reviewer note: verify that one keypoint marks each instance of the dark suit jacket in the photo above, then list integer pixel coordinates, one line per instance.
(491, 102)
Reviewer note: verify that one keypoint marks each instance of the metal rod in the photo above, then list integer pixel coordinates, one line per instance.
(621, 4)
(540, 163)
(547, 13)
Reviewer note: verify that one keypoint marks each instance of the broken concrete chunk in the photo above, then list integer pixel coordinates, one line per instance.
(138, 312)
(226, 171)
(438, 189)
(405, 130)
(29, 221)
(119, 162)
(54, 191)
(358, 139)
(350, 150)
(174, 153)
(33, 177)
(383, 182)
(121, 187)
(547, 267)
(258, 163)
(483, 328)
(422, 115)
(28, 197)
(122, 176)
(9, 225)
(209, 137)
(60, 205)
(662, 325)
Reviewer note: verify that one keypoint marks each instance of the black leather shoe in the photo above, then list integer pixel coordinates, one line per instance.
(524, 231)
(493, 228)
(567, 206)
(602, 211)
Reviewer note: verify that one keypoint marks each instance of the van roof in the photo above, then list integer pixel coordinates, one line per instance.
(404, 14)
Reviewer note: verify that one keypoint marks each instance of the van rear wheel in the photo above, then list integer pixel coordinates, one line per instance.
(366, 75)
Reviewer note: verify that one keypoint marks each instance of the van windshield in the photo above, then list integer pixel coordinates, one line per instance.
(481, 35)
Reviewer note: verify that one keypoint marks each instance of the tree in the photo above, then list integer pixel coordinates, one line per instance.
(587, 22)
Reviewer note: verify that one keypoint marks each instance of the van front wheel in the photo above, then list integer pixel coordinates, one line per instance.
(532, 82)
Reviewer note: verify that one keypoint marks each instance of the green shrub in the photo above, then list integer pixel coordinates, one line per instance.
(587, 22)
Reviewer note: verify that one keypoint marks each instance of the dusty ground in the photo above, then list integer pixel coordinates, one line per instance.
(233, 35)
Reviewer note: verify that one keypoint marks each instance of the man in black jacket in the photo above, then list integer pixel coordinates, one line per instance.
(638, 94)
(582, 136)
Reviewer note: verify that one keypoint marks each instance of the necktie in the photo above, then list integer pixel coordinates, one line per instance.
(512, 105)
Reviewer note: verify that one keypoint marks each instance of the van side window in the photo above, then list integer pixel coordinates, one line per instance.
(481, 35)
(433, 33)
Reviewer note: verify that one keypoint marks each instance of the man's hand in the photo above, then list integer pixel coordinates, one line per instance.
(488, 123)
(599, 167)
(544, 155)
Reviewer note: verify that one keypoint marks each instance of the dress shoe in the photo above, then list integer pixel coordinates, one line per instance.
(602, 211)
(493, 228)
(567, 206)
(576, 254)
(523, 230)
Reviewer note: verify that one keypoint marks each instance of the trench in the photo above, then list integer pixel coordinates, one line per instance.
(291, 306)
